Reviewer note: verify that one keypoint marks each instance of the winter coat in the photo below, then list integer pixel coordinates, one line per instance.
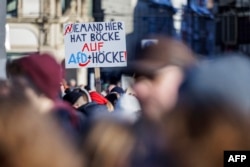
(93, 109)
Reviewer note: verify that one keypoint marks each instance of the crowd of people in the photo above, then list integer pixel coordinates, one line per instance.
(180, 111)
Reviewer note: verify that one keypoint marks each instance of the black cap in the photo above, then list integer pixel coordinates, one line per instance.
(72, 97)
(117, 89)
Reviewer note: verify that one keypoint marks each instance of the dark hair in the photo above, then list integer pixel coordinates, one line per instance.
(112, 97)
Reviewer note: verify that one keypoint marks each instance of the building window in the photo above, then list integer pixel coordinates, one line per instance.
(65, 5)
(11, 8)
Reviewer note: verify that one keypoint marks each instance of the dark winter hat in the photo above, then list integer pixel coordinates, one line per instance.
(165, 51)
(72, 97)
(112, 97)
(117, 89)
(224, 79)
(43, 71)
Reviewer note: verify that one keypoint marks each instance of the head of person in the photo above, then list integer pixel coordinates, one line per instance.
(28, 138)
(112, 97)
(199, 135)
(114, 94)
(158, 71)
(84, 102)
(41, 73)
(128, 106)
(212, 113)
(72, 83)
(110, 87)
(77, 97)
(117, 89)
(113, 148)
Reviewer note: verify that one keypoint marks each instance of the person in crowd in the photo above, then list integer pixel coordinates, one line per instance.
(42, 76)
(28, 138)
(104, 89)
(128, 107)
(81, 100)
(114, 81)
(64, 86)
(212, 113)
(108, 143)
(158, 71)
(101, 100)
(72, 84)
(112, 97)
(199, 135)
(117, 89)
(114, 94)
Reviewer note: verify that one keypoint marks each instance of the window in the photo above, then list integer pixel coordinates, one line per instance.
(65, 5)
(11, 8)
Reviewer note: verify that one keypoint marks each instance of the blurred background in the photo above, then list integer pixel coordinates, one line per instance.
(207, 26)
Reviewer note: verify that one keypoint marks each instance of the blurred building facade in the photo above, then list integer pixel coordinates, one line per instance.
(150, 17)
(199, 26)
(154, 17)
(216, 26)
(207, 26)
(37, 26)
(233, 25)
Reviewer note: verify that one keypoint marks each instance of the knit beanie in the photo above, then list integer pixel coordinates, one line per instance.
(44, 72)
(117, 89)
(72, 97)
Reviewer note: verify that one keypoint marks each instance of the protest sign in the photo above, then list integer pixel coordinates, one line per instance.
(95, 44)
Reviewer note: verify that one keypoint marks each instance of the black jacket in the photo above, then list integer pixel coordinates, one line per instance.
(92, 109)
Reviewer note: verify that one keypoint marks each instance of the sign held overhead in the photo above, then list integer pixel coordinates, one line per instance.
(95, 44)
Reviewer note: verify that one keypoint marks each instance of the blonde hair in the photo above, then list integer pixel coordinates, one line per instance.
(109, 144)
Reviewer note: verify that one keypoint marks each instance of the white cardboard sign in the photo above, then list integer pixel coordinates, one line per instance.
(95, 44)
